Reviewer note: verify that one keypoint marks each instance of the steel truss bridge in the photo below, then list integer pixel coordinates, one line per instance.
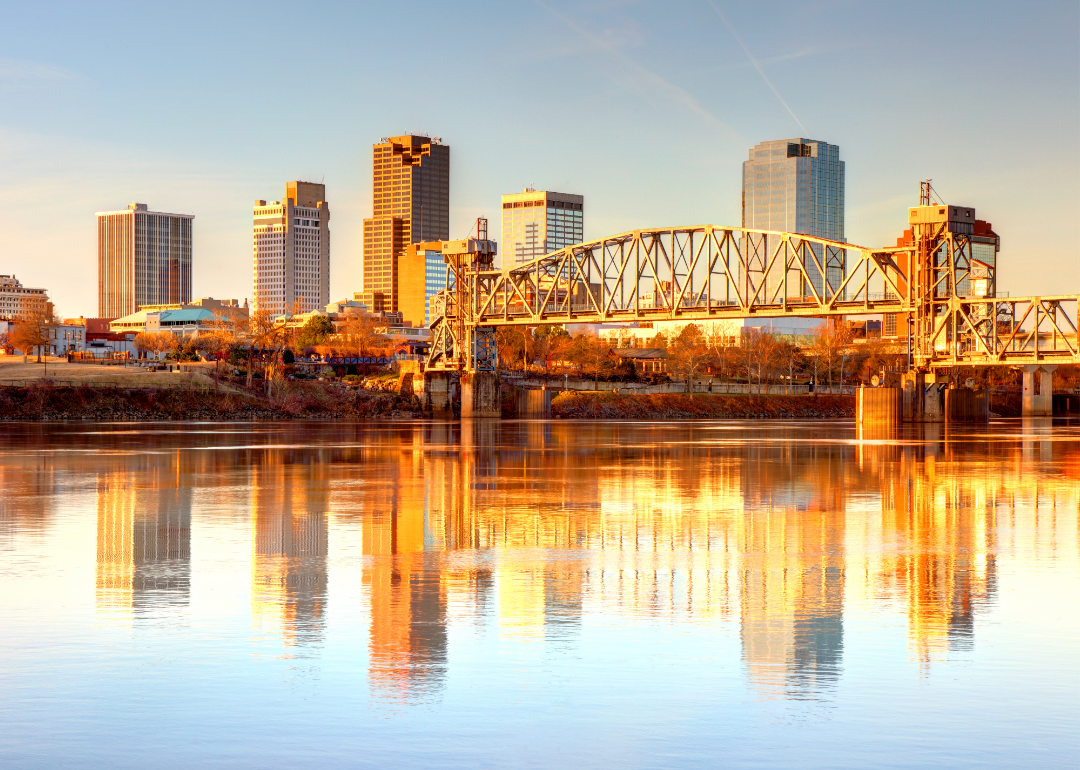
(708, 273)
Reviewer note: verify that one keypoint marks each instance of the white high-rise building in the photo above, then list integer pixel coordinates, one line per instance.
(536, 222)
(291, 246)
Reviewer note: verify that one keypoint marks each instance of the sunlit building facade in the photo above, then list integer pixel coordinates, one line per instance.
(144, 258)
(537, 222)
(411, 202)
(291, 246)
(16, 299)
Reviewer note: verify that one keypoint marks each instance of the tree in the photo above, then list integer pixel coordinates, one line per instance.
(315, 332)
(359, 337)
(591, 355)
(33, 330)
(829, 346)
(551, 343)
(790, 357)
(689, 354)
(262, 332)
(510, 344)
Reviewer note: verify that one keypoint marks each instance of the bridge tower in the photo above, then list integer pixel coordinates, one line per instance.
(460, 344)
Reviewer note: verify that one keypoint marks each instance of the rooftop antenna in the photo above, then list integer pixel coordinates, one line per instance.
(924, 193)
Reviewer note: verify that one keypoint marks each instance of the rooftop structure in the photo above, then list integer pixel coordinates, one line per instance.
(182, 322)
(144, 258)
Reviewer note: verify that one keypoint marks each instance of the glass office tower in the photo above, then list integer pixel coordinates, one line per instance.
(796, 186)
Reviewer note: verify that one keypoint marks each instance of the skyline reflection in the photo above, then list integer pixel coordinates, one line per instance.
(529, 530)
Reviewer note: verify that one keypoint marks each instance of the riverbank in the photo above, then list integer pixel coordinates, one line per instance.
(671, 406)
(45, 401)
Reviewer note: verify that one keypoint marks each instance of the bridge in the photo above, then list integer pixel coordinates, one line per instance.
(941, 285)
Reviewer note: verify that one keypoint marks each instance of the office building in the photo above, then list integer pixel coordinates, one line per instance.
(16, 299)
(536, 222)
(422, 274)
(291, 245)
(411, 202)
(144, 258)
(797, 186)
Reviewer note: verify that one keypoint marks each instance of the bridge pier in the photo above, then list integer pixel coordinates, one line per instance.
(437, 394)
(879, 412)
(534, 404)
(1038, 390)
(480, 395)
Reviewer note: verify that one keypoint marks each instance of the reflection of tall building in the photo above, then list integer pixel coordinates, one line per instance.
(289, 544)
(408, 598)
(143, 545)
(792, 539)
(792, 599)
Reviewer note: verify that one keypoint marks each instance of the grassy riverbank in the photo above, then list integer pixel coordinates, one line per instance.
(45, 401)
(678, 406)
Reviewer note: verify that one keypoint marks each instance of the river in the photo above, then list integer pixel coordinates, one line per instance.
(539, 594)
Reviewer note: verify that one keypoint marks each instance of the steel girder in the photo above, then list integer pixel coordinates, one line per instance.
(1015, 330)
(691, 273)
(705, 273)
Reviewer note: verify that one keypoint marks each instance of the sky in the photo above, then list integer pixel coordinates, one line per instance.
(646, 108)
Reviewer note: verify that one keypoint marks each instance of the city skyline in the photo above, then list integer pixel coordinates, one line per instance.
(674, 103)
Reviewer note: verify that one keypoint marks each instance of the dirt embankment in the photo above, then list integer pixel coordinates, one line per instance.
(675, 406)
(49, 402)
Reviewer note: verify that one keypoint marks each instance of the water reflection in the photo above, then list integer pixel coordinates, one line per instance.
(143, 540)
(526, 531)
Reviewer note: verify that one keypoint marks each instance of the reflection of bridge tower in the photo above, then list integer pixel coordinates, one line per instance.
(793, 576)
(289, 544)
(948, 567)
(143, 543)
(408, 600)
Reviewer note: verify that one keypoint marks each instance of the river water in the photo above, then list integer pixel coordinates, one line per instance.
(538, 594)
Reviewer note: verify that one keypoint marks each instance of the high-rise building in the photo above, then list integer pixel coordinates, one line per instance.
(797, 186)
(144, 258)
(536, 222)
(291, 245)
(411, 201)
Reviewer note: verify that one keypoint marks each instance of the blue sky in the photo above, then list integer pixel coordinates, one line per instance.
(645, 108)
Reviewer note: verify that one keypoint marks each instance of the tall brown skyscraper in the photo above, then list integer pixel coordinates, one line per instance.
(411, 197)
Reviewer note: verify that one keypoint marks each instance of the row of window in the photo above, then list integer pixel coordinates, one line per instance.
(541, 203)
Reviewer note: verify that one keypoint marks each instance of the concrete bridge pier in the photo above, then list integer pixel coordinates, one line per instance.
(480, 395)
(1038, 390)
(535, 404)
(437, 394)
(879, 412)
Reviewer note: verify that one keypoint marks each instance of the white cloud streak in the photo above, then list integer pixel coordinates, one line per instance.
(674, 92)
(757, 66)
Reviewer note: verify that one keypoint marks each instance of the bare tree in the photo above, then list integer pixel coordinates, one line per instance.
(689, 354)
(590, 354)
(262, 332)
(359, 337)
(34, 329)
